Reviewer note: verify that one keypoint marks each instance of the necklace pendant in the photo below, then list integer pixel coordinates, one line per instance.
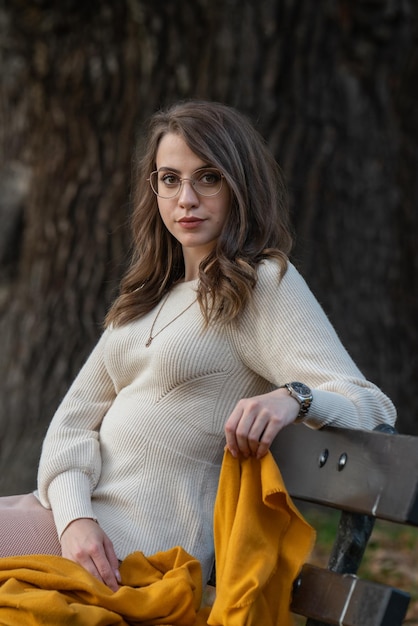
(149, 342)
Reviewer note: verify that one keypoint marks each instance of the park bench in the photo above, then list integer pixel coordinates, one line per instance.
(367, 475)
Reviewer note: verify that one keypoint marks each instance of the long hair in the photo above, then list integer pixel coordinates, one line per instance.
(256, 228)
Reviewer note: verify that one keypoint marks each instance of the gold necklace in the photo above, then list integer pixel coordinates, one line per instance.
(151, 336)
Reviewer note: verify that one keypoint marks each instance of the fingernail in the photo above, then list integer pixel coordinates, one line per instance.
(118, 576)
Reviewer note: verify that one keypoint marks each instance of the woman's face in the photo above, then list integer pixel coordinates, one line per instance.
(195, 220)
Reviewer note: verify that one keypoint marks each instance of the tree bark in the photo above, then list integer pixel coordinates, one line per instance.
(332, 87)
(68, 142)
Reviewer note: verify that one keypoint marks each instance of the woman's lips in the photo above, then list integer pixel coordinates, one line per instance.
(190, 222)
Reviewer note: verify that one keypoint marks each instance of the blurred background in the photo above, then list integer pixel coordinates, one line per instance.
(331, 84)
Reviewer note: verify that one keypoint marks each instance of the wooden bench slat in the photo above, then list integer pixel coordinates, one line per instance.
(345, 600)
(388, 479)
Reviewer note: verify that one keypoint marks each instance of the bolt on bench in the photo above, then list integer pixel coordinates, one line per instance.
(367, 475)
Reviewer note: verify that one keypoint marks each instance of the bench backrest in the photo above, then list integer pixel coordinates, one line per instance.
(368, 472)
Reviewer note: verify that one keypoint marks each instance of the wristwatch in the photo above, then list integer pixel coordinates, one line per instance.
(303, 395)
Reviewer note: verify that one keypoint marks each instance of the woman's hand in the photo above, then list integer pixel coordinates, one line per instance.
(254, 423)
(84, 542)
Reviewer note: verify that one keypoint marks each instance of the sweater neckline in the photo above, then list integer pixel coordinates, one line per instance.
(185, 285)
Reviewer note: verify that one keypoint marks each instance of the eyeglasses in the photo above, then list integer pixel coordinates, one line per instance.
(206, 181)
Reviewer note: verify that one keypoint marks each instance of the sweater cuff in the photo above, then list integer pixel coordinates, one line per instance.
(333, 408)
(70, 498)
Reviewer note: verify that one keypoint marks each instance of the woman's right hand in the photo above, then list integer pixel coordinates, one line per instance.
(84, 542)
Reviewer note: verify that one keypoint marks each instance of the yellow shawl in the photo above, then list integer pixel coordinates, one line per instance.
(261, 542)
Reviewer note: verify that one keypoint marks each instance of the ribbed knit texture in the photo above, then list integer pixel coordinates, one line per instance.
(138, 440)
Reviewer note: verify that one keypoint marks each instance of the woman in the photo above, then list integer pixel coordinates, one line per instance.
(215, 338)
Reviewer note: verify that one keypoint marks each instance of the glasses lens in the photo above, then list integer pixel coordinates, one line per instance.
(164, 184)
(207, 182)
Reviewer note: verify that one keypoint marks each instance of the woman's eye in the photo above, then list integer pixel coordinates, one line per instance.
(209, 178)
(170, 179)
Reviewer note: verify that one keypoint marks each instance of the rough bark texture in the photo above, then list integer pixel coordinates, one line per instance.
(332, 86)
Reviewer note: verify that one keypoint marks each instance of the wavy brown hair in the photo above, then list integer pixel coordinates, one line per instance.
(257, 226)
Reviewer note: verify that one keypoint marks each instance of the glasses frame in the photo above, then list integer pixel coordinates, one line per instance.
(192, 181)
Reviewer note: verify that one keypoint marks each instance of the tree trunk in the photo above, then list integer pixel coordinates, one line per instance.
(330, 85)
(69, 116)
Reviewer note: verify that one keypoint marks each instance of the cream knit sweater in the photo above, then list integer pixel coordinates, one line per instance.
(138, 440)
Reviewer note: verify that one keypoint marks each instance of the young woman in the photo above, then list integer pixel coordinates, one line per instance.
(214, 340)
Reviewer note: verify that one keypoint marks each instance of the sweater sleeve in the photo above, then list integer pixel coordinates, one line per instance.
(70, 462)
(285, 336)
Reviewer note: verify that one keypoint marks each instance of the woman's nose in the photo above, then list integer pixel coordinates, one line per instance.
(188, 195)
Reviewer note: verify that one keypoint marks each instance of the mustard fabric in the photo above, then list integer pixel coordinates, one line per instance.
(52, 591)
(261, 542)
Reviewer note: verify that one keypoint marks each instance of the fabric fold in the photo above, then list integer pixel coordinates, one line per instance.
(51, 590)
(261, 543)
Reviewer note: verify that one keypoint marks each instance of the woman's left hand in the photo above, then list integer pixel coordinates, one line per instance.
(254, 423)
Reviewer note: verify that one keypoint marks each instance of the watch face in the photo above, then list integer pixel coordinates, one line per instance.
(300, 388)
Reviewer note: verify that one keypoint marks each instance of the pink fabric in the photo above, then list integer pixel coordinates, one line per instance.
(26, 527)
